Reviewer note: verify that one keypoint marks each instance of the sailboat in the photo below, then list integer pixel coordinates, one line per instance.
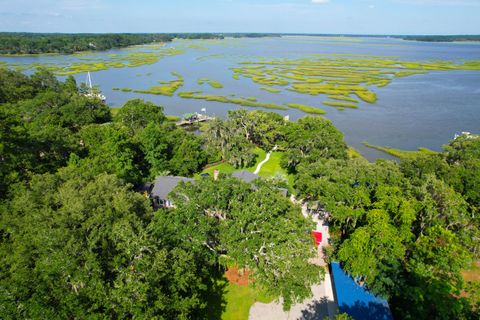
(91, 93)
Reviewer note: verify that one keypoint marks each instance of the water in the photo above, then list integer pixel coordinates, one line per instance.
(416, 111)
(355, 300)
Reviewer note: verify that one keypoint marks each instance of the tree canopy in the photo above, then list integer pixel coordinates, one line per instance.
(406, 230)
(76, 240)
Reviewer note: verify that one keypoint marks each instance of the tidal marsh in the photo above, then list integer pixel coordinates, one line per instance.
(223, 99)
(167, 89)
(339, 76)
(401, 154)
(338, 104)
(306, 109)
(272, 90)
(211, 83)
(92, 62)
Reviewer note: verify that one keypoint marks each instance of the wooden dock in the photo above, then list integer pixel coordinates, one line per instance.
(198, 118)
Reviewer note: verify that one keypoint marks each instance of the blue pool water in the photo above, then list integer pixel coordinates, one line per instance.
(355, 300)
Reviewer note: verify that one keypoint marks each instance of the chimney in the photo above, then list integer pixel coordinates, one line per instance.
(215, 174)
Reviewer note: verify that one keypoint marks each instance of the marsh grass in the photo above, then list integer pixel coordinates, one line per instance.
(211, 83)
(338, 104)
(123, 89)
(173, 118)
(306, 108)
(223, 99)
(168, 88)
(344, 98)
(272, 90)
(92, 62)
(402, 154)
(339, 75)
(353, 153)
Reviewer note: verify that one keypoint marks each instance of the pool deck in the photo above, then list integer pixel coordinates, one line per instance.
(321, 305)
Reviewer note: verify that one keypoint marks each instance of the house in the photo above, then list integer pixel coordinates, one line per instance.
(162, 187)
(248, 177)
(245, 175)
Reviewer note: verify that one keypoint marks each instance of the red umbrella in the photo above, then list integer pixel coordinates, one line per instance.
(318, 237)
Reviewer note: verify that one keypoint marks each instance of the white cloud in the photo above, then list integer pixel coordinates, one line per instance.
(320, 1)
(441, 2)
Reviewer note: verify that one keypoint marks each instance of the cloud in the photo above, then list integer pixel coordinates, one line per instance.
(441, 2)
(320, 1)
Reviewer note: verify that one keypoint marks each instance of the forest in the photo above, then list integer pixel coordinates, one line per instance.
(439, 38)
(78, 241)
(37, 43)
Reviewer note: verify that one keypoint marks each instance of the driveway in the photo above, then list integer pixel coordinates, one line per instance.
(321, 305)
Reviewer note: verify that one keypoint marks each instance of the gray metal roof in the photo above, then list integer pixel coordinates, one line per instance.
(246, 176)
(164, 185)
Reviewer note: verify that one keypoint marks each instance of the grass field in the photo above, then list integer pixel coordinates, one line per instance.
(272, 167)
(472, 273)
(239, 299)
(227, 168)
(114, 110)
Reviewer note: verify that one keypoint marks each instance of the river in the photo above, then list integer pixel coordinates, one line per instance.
(423, 110)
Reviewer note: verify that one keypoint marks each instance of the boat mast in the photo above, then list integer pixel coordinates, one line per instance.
(89, 80)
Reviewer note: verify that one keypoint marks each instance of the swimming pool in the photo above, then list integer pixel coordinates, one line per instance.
(356, 300)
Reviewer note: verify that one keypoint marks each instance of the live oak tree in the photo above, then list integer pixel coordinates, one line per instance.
(109, 148)
(236, 137)
(137, 114)
(77, 246)
(253, 227)
(231, 142)
(40, 117)
(310, 139)
(406, 238)
(172, 150)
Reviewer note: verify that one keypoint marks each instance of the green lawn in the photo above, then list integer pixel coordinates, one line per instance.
(239, 299)
(228, 168)
(272, 167)
(173, 118)
(114, 110)
(269, 169)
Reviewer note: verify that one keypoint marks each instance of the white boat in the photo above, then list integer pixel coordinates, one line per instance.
(91, 93)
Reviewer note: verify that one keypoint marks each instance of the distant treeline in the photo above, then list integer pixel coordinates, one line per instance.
(33, 43)
(429, 38)
(252, 35)
(441, 38)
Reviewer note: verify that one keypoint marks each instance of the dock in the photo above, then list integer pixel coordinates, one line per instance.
(194, 118)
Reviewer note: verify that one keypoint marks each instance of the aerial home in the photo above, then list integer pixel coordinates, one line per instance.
(162, 187)
(165, 184)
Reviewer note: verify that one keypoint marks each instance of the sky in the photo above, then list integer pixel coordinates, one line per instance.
(275, 16)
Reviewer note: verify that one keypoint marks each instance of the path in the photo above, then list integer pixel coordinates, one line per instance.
(259, 167)
(321, 305)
